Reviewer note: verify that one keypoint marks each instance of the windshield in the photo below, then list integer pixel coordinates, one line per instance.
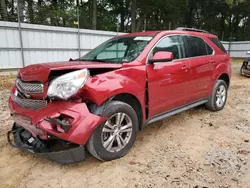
(118, 50)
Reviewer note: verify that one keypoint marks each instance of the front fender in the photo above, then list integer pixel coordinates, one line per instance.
(102, 87)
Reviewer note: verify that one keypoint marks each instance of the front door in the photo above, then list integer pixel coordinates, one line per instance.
(168, 82)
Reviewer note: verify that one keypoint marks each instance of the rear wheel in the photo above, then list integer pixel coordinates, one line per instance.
(115, 137)
(218, 98)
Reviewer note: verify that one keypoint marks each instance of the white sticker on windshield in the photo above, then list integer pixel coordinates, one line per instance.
(143, 38)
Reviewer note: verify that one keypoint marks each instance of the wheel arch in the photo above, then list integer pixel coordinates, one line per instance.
(127, 98)
(226, 78)
(134, 102)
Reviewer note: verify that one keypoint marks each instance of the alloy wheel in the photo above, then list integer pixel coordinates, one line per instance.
(116, 132)
(221, 96)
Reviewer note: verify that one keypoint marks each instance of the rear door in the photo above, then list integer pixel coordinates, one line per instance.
(168, 82)
(202, 62)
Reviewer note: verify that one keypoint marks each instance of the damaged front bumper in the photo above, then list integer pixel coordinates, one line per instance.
(245, 68)
(70, 122)
(38, 147)
(245, 72)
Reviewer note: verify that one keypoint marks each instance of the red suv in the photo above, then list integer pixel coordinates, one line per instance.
(102, 99)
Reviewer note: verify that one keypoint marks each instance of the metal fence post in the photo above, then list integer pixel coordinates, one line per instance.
(20, 34)
(78, 30)
(229, 45)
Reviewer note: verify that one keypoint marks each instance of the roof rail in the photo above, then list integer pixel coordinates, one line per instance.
(191, 29)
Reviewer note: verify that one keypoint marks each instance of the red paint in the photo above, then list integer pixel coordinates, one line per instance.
(82, 127)
(159, 56)
(40, 72)
(170, 85)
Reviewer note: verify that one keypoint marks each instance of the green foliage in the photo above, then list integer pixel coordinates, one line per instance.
(229, 19)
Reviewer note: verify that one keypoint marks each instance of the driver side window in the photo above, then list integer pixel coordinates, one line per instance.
(172, 44)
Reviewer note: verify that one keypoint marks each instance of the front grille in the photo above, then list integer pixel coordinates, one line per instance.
(25, 87)
(29, 103)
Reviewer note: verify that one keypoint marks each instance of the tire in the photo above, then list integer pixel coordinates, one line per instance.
(241, 70)
(96, 144)
(213, 103)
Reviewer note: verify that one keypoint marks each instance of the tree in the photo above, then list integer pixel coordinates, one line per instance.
(30, 11)
(229, 19)
(133, 16)
(3, 10)
(94, 14)
(20, 9)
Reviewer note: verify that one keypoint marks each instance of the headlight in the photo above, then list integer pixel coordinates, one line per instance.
(68, 84)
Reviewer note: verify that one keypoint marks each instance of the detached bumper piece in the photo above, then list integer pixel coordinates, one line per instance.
(51, 150)
(245, 69)
(246, 72)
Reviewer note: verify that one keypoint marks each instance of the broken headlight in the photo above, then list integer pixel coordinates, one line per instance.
(67, 85)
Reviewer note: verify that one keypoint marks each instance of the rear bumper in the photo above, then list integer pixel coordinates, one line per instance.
(68, 156)
(36, 121)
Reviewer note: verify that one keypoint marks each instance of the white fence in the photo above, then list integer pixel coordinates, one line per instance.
(29, 44)
(26, 44)
(237, 49)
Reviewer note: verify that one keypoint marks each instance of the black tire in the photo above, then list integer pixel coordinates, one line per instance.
(241, 70)
(94, 144)
(211, 104)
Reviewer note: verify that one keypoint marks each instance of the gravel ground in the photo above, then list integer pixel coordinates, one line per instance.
(196, 148)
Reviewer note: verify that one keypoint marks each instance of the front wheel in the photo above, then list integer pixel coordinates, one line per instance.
(217, 100)
(115, 137)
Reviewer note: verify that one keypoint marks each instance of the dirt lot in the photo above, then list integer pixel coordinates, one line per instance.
(197, 148)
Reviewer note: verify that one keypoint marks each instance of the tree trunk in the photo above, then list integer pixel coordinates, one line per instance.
(230, 27)
(190, 13)
(41, 19)
(3, 10)
(20, 10)
(222, 26)
(133, 16)
(30, 11)
(94, 14)
(54, 19)
(122, 16)
(140, 22)
(89, 25)
(12, 8)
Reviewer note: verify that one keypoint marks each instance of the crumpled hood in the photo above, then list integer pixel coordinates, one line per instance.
(40, 72)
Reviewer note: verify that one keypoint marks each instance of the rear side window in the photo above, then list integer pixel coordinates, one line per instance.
(195, 46)
(217, 42)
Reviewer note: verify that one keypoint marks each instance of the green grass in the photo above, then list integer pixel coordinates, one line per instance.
(237, 61)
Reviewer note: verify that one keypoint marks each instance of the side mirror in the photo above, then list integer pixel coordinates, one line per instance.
(161, 57)
(248, 52)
